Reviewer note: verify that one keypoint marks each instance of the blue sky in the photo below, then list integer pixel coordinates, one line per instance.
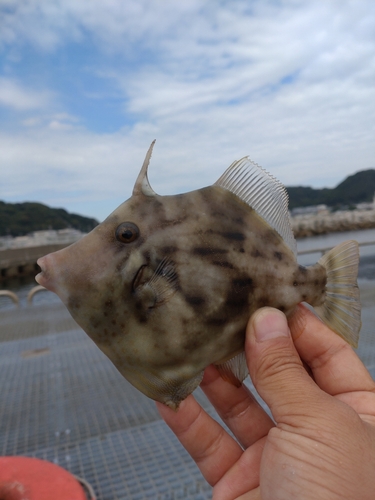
(86, 86)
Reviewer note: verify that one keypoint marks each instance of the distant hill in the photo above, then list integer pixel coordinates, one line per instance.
(356, 188)
(18, 219)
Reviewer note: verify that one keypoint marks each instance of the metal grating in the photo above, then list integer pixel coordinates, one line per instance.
(137, 463)
(63, 400)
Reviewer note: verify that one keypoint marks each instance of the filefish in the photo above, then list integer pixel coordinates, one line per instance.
(166, 284)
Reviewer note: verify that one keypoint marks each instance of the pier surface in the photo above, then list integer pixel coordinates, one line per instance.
(62, 400)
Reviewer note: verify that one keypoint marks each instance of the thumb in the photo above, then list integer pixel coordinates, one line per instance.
(275, 367)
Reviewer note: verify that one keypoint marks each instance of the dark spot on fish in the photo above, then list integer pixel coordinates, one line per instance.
(141, 313)
(304, 297)
(204, 251)
(219, 321)
(223, 264)
(234, 236)
(316, 282)
(169, 249)
(172, 222)
(74, 304)
(192, 344)
(114, 322)
(95, 322)
(239, 221)
(242, 250)
(236, 301)
(302, 269)
(146, 255)
(255, 253)
(278, 255)
(239, 284)
(194, 300)
(236, 305)
(122, 262)
(156, 205)
(295, 283)
(139, 241)
(262, 302)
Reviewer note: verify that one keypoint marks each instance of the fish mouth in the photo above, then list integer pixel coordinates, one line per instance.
(44, 278)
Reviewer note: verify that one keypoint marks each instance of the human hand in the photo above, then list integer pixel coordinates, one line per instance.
(322, 444)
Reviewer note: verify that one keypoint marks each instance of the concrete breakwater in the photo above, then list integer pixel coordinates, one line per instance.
(325, 222)
(18, 255)
(22, 261)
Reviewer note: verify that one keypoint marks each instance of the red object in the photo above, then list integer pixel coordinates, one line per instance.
(23, 478)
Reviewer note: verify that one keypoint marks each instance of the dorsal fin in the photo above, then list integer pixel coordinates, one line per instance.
(265, 194)
(142, 185)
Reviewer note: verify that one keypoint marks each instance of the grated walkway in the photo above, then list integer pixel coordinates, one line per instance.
(62, 400)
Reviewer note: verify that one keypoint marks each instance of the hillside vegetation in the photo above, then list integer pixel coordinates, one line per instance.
(18, 219)
(356, 188)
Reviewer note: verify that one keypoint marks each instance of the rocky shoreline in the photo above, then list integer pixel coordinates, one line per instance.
(330, 222)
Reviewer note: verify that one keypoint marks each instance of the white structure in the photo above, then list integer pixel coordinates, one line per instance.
(39, 238)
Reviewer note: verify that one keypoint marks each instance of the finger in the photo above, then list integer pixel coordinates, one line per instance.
(243, 477)
(210, 446)
(251, 495)
(237, 407)
(335, 366)
(276, 368)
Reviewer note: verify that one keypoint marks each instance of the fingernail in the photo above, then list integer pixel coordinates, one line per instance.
(269, 324)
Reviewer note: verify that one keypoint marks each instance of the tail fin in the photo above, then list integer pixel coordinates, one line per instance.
(341, 310)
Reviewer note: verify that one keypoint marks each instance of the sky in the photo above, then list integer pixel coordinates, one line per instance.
(85, 86)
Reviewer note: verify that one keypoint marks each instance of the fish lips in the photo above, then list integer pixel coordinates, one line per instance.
(43, 278)
(47, 277)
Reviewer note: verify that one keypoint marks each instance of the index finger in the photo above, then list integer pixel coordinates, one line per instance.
(210, 446)
(335, 366)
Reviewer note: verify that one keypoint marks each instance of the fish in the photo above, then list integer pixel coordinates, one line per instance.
(165, 285)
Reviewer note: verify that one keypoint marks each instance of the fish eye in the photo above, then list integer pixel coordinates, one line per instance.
(127, 232)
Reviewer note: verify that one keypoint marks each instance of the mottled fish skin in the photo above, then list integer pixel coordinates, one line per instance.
(177, 298)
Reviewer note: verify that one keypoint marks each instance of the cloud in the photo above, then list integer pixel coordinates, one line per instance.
(114, 25)
(16, 96)
(290, 83)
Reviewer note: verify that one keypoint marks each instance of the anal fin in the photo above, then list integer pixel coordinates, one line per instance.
(234, 370)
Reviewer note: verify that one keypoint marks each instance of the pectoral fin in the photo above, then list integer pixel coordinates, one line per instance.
(153, 288)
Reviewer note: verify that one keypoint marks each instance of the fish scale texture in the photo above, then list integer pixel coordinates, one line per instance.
(62, 400)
